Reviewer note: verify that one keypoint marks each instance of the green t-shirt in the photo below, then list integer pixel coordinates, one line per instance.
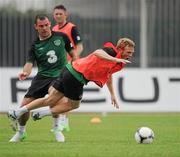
(76, 74)
(50, 55)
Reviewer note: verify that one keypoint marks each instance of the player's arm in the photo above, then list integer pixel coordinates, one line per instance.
(103, 55)
(77, 40)
(109, 84)
(29, 64)
(73, 54)
(69, 48)
(79, 48)
(26, 71)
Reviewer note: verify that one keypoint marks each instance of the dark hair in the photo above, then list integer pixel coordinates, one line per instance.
(60, 7)
(40, 17)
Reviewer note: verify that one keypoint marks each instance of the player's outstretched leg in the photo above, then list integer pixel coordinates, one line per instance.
(40, 114)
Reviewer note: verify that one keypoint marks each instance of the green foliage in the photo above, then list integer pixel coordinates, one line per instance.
(113, 137)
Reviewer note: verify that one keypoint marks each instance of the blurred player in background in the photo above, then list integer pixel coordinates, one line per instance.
(97, 67)
(49, 51)
(60, 15)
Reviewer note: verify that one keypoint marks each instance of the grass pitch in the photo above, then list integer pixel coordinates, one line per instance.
(113, 137)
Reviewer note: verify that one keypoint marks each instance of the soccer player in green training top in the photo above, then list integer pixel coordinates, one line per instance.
(49, 52)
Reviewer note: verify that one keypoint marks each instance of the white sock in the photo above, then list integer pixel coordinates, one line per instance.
(21, 111)
(67, 122)
(62, 118)
(56, 122)
(22, 128)
(45, 113)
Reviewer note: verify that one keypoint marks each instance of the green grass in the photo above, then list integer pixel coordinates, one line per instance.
(114, 137)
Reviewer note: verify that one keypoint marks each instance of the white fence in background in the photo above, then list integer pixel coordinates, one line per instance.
(137, 90)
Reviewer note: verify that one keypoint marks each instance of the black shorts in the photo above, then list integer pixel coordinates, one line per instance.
(39, 86)
(69, 85)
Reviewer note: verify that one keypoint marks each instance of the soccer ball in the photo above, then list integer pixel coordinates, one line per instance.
(144, 135)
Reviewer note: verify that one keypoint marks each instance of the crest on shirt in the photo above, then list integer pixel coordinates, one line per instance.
(78, 38)
(57, 42)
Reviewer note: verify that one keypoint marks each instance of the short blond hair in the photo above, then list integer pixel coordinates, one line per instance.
(123, 42)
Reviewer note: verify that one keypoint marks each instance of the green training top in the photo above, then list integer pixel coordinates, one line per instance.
(76, 74)
(50, 55)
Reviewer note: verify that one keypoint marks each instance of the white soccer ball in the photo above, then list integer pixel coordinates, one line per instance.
(144, 135)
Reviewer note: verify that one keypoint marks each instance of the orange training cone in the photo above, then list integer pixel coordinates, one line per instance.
(95, 120)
